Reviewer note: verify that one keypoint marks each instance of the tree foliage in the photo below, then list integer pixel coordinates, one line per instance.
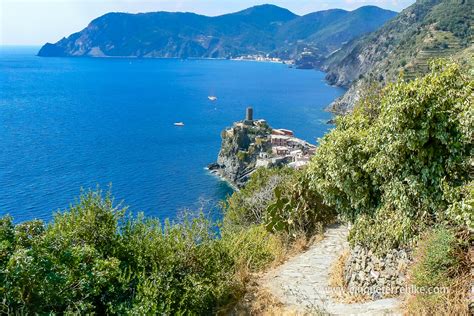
(390, 171)
(281, 200)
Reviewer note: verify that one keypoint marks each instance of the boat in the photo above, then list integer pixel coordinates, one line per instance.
(212, 98)
(179, 124)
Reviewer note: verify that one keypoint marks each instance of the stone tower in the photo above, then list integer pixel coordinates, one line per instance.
(249, 114)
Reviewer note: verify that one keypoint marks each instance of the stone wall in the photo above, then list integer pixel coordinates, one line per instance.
(366, 273)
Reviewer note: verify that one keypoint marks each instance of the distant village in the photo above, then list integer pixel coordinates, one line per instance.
(265, 58)
(250, 144)
(279, 147)
(286, 149)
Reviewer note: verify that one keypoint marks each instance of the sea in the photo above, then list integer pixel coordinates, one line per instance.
(69, 125)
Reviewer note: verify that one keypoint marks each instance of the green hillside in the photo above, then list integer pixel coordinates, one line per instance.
(259, 30)
(426, 30)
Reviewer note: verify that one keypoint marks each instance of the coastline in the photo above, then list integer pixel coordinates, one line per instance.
(163, 203)
(263, 60)
(221, 177)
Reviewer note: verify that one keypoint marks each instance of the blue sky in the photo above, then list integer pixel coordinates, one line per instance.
(34, 22)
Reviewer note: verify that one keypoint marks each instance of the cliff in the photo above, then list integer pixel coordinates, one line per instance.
(250, 144)
(241, 145)
(404, 45)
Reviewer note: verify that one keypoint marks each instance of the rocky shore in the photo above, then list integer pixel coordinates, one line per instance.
(250, 144)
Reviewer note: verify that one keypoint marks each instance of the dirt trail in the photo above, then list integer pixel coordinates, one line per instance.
(301, 283)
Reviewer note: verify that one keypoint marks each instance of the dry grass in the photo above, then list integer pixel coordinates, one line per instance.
(336, 275)
(458, 282)
(299, 244)
(258, 301)
(455, 302)
(338, 282)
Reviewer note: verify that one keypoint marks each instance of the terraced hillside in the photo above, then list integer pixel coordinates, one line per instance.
(437, 44)
(426, 30)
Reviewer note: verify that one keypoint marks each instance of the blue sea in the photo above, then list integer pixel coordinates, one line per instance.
(68, 124)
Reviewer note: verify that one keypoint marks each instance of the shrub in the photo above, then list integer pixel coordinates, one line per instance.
(436, 255)
(297, 209)
(281, 200)
(461, 210)
(176, 268)
(391, 166)
(385, 230)
(93, 259)
(254, 248)
(248, 206)
(440, 275)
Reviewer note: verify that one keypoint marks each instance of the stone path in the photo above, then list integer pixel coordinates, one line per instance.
(301, 284)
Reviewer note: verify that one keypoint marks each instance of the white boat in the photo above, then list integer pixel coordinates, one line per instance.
(212, 98)
(179, 124)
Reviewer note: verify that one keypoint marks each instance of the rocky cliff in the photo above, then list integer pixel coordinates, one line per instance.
(241, 145)
(404, 45)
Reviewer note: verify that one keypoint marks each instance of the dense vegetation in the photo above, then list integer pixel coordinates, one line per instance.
(265, 29)
(398, 167)
(392, 166)
(426, 30)
(441, 261)
(96, 257)
(93, 259)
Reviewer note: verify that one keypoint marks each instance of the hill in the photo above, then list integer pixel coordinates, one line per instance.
(260, 30)
(428, 29)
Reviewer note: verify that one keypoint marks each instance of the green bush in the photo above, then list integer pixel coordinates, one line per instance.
(253, 248)
(440, 274)
(94, 259)
(461, 210)
(281, 200)
(387, 166)
(385, 230)
(436, 257)
(248, 206)
(242, 155)
(297, 209)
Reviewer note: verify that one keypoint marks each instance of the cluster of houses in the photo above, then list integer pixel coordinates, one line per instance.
(265, 58)
(249, 144)
(286, 149)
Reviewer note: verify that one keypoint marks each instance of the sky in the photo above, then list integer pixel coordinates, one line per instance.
(35, 22)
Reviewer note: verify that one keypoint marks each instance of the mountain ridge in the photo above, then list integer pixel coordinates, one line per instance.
(263, 29)
(404, 45)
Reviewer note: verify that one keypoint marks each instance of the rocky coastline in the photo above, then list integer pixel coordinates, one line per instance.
(250, 144)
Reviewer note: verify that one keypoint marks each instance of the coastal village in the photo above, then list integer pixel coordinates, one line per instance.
(264, 58)
(250, 144)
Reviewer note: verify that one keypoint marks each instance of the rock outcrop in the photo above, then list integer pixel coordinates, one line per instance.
(251, 144)
(241, 145)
